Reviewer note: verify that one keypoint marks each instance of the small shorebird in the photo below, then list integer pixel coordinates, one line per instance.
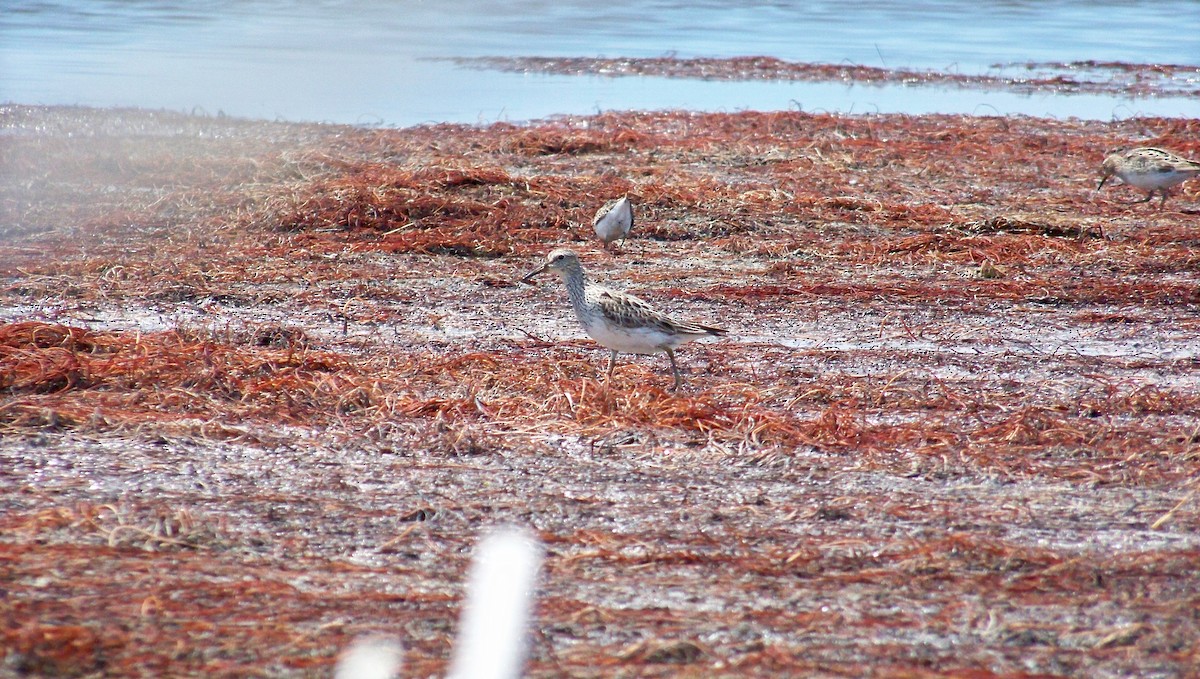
(1150, 169)
(613, 221)
(619, 321)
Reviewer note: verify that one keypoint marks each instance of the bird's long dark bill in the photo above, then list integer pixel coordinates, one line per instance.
(529, 276)
(1102, 180)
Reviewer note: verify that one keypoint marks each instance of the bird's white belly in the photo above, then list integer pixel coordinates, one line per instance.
(1150, 181)
(627, 340)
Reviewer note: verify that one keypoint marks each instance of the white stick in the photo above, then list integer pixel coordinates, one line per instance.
(370, 658)
(491, 636)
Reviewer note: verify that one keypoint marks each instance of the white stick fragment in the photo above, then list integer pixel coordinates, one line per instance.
(491, 637)
(370, 658)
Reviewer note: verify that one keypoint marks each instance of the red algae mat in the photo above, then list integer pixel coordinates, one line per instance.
(1076, 77)
(262, 387)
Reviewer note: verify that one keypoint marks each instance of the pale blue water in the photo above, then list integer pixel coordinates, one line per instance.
(367, 61)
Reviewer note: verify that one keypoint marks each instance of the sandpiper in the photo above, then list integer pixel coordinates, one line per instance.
(620, 321)
(1148, 168)
(613, 221)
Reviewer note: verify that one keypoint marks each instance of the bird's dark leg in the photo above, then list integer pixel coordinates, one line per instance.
(674, 370)
(1149, 197)
(612, 362)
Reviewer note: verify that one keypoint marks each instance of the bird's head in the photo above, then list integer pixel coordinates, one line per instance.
(1108, 168)
(559, 260)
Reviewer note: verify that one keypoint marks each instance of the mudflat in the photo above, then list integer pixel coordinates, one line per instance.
(263, 385)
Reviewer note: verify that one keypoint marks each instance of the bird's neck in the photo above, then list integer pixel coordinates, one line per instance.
(576, 285)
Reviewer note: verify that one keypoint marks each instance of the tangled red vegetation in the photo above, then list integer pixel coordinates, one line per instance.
(260, 403)
(1074, 77)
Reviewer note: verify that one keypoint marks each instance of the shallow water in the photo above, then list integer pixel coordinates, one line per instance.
(375, 62)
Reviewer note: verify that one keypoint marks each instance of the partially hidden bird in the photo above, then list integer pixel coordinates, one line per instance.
(613, 221)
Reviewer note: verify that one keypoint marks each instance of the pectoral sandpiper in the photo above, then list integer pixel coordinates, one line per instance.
(1150, 169)
(613, 221)
(620, 321)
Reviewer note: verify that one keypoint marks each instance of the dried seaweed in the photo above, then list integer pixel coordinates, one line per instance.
(259, 404)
